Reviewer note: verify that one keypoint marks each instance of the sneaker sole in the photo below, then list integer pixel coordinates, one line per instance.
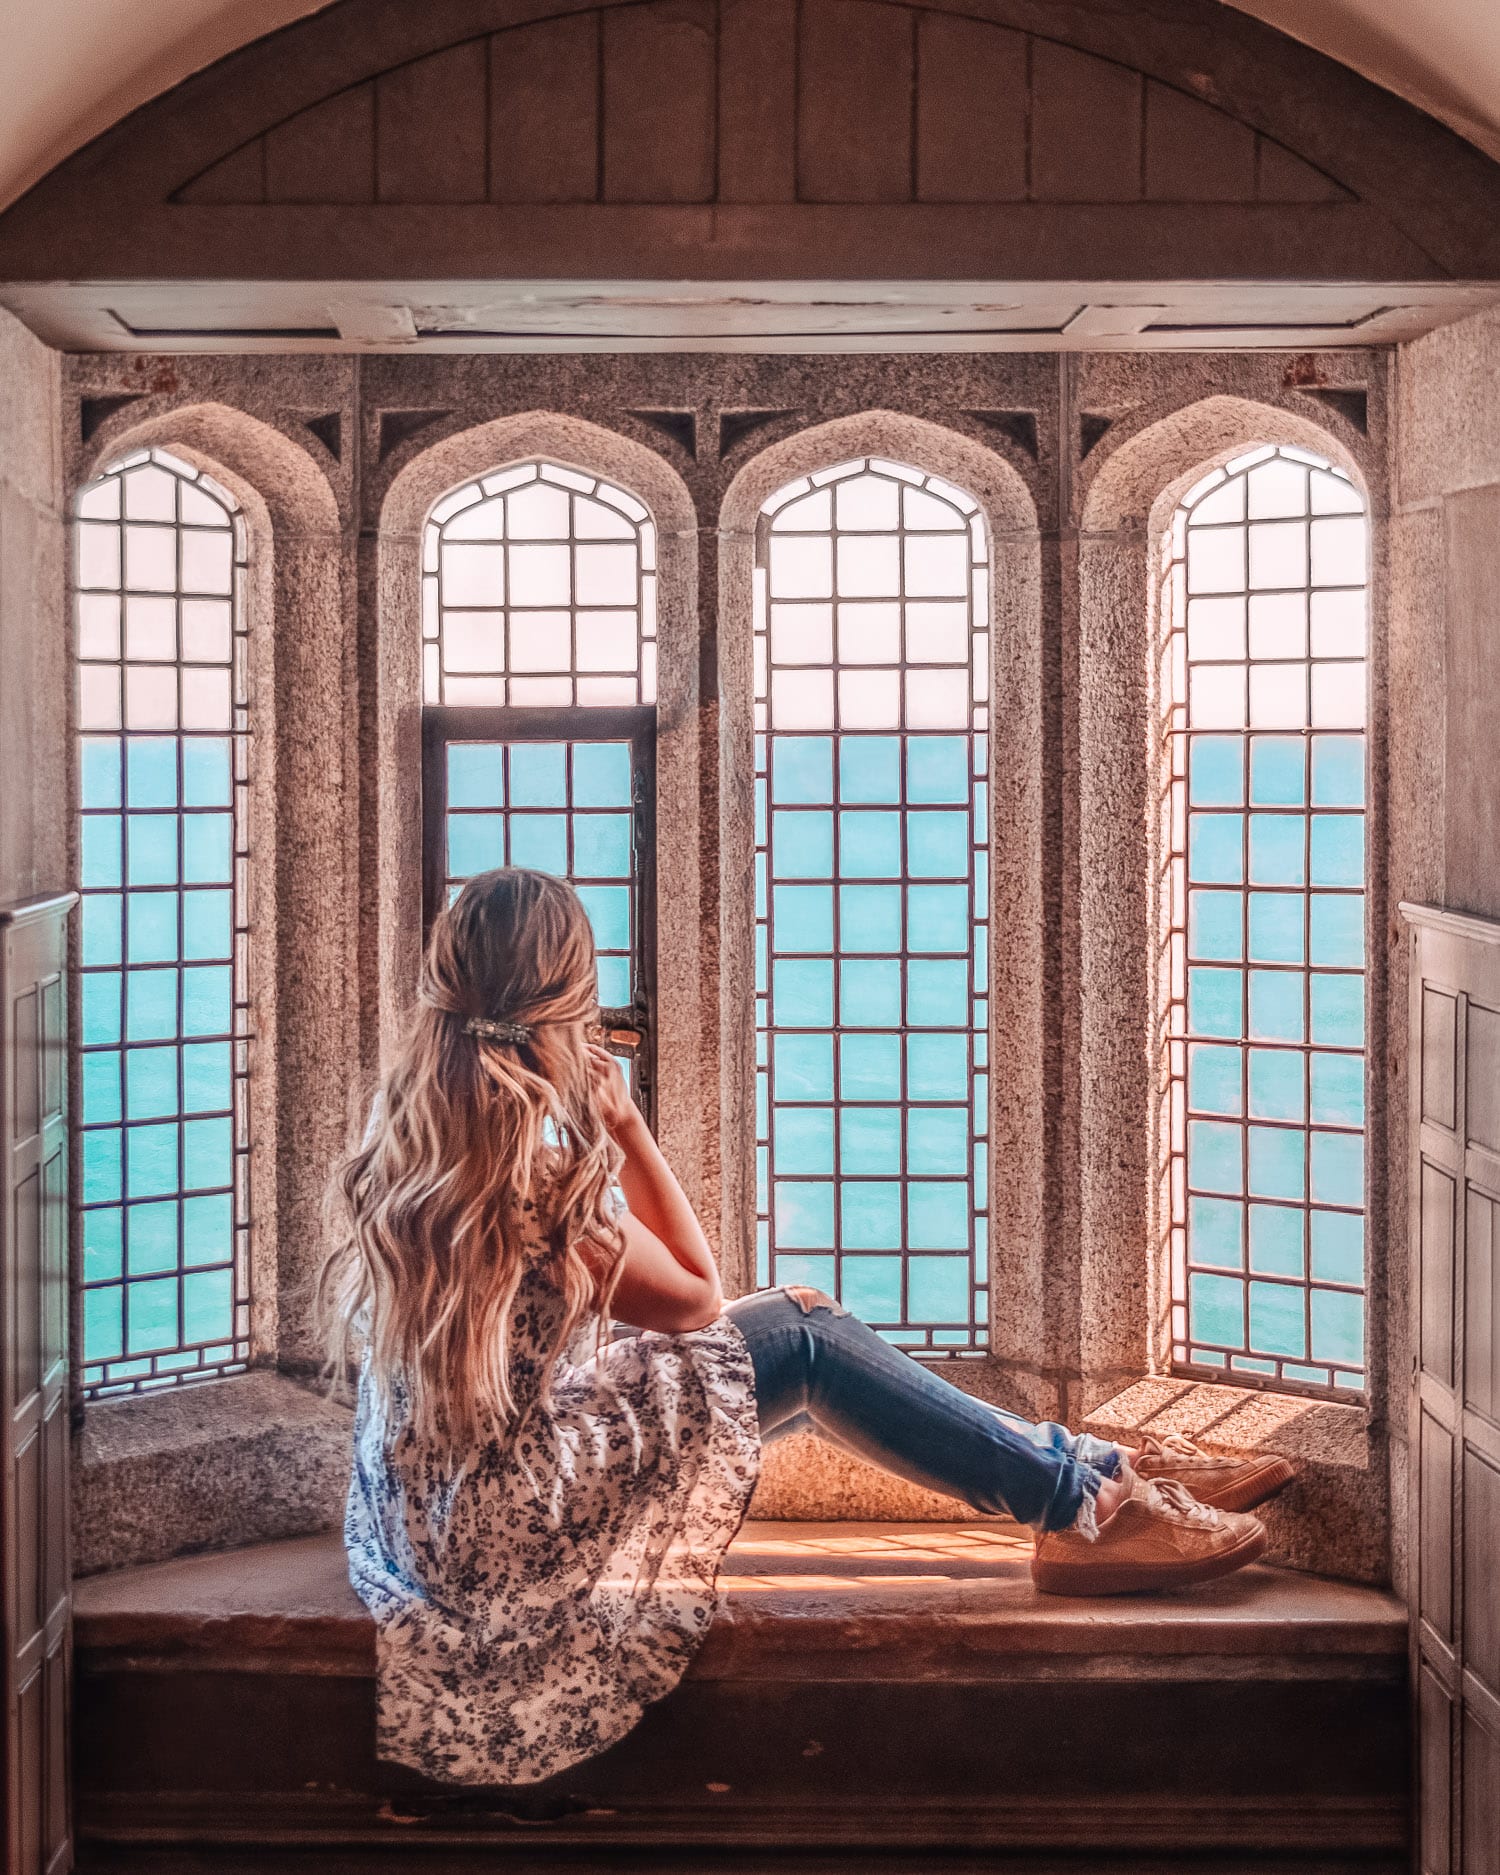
(1244, 1492)
(1122, 1578)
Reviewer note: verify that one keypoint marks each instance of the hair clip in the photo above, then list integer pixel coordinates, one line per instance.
(516, 1032)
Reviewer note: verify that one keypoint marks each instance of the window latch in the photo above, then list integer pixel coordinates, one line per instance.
(623, 1030)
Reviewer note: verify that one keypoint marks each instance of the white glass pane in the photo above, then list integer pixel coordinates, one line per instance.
(150, 696)
(98, 696)
(606, 641)
(102, 501)
(455, 503)
(1278, 696)
(1216, 628)
(457, 690)
(801, 568)
(98, 555)
(937, 699)
(567, 478)
(473, 575)
(937, 632)
(151, 495)
(979, 665)
(811, 515)
(648, 606)
(205, 699)
(98, 625)
(869, 566)
(937, 566)
(484, 521)
(431, 682)
(1226, 503)
(1338, 696)
(540, 641)
(1216, 560)
(607, 692)
(475, 641)
(1278, 625)
(505, 479)
(648, 675)
(1331, 494)
(199, 508)
(539, 575)
(865, 503)
(802, 699)
(207, 563)
(1278, 554)
(592, 520)
(429, 608)
(922, 511)
(802, 634)
(206, 628)
(870, 632)
(539, 512)
(150, 627)
(1216, 696)
(1277, 488)
(548, 691)
(1338, 624)
(1339, 552)
(606, 575)
(869, 699)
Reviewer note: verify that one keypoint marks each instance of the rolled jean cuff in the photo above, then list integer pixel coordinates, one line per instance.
(1100, 1453)
(1072, 1505)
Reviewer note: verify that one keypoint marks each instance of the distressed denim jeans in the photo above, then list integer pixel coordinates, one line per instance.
(819, 1369)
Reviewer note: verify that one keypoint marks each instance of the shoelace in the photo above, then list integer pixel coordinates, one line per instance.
(1173, 1445)
(1181, 1503)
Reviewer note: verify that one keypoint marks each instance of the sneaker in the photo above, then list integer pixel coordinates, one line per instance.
(1160, 1537)
(1226, 1483)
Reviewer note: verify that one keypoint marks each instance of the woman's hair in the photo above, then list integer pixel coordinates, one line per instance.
(471, 1130)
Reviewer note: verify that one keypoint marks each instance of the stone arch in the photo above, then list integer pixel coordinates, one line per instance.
(302, 895)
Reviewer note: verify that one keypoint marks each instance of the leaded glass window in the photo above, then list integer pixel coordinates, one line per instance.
(1263, 686)
(159, 565)
(871, 895)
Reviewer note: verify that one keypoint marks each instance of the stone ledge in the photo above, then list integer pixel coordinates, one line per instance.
(210, 1466)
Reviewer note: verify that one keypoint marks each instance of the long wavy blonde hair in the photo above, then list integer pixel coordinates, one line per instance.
(468, 1130)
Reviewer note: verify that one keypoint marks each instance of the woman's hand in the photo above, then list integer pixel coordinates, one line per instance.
(612, 1096)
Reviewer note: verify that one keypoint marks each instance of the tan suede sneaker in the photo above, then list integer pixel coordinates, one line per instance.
(1160, 1537)
(1226, 1483)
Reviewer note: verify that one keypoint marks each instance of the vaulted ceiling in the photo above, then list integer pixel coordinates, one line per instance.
(73, 67)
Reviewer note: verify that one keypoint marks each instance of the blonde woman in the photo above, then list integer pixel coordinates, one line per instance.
(538, 1512)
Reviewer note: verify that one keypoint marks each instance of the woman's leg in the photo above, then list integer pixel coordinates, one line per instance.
(817, 1366)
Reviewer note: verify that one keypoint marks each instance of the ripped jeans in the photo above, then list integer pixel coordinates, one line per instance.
(819, 1369)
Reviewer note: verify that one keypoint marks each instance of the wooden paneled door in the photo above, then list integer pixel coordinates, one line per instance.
(1455, 1402)
(34, 1370)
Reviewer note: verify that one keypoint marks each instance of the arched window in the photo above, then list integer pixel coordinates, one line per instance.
(163, 1028)
(1263, 687)
(871, 719)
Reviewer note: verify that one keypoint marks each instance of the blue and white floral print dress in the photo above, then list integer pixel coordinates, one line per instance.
(534, 1599)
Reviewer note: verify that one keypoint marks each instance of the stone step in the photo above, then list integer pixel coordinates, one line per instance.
(877, 1686)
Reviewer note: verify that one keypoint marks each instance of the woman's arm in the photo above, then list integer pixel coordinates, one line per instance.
(668, 1279)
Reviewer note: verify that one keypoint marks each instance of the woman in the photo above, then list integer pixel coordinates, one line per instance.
(537, 1514)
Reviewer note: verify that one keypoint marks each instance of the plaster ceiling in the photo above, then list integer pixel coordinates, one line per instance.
(73, 67)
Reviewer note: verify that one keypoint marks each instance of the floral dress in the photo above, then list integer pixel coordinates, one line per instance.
(532, 1600)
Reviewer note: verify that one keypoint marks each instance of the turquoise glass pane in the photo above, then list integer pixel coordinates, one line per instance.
(1336, 933)
(870, 1140)
(601, 846)
(870, 845)
(1276, 927)
(803, 1067)
(1214, 1078)
(1338, 849)
(937, 1289)
(151, 1004)
(1216, 771)
(762, 1093)
(1277, 777)
(206, 920)
(869, 917)
(151, 1316)
(101, 1166)
(151, 849)
(151, 927)
(1216, 1232)
(937, 845)
(150, 1083)
(1338, 1011)
(1276, 1240)
(99, 851)
(205, 771)
(101, 919)
(1216, 849)
(1214, 1001)
(207, 849)
(803, 993)
(761, 823)
(539, 841)
(870, 1067)
(205, 1077)
(937, 1140)
(476, 774)
(614, 981)
(1276, 1090)
(802, 769)
(937, 1067)
(151, 771)
(476, 842)
(1338, 1326)
(103, 1244)
(206, 1307)
(1338, 1247)
(812, 1271)
(608, 908)
(1276, 849)
(937, 1216)
(1278, 1162)
(206, 1000)
(1276, 1005)
(937, 769)
(101, 1324)
(870, 1214)
(804, 1139)
(207, 1154)
(601, 774)
(538, 774)
(99, 772)
(1214, 1157)
(1338, 771)
(872, 1288)
(938, 918)
(803, 1212)
(937, 993)
(801, 844)
(207, 1229)
(762, 1254)
(803, 917)
(1338, 1168)
(869, 769)
(870, 993)
(100, 1074)
(1338, 1089)
(1276, 1322)
(151, 1233)
(1216, 925)
(151, 1160)
(100, 1013)
(1215, 1310)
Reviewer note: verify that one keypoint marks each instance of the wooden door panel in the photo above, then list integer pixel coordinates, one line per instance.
(1435, 1294)
(1481, 1325)
(1434, 1774)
